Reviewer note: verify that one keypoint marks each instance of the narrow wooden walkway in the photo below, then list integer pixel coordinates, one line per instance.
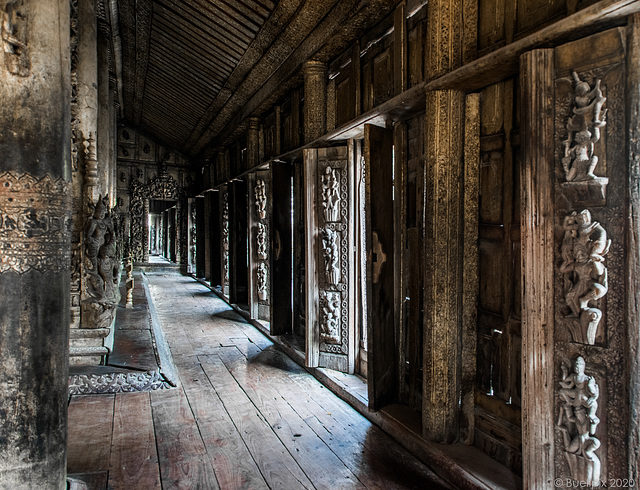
(244, 416)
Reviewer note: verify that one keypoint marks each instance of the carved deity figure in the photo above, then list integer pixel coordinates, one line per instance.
(583, 248)
(260, 194)
(583, 131)
(102, 269)
(262, 281)
(578, 422)
(261, 239)
(331, 195)
(330, 321)
(331, 255)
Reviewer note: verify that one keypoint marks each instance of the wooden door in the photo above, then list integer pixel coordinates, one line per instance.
(382, 358)
(281, 248)
(330, 316)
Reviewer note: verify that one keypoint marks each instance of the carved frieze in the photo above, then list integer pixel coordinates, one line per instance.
(584, 246)
(263, 284)
(330, 317)
(578, 421)
(331, 194)
(84, 384)
(581, 132)
(35, 218)
(260, 194)
(101, 271)
(331, 253)
(261, 239)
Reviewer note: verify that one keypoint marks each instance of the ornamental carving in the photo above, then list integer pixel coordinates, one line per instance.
(225, 236)
(192, 237)
(584, 246)
(14, 38)
(101, 272)
(35, 218)
(84, 384)
(331, 252)
(261, 239)
(583, 131)
(262, 282)
(330, 317)
(578, 422)
(331, 194)
(260, 194)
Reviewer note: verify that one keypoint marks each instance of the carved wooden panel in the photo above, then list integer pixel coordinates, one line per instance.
(330, 202)
(345, 96)
(491, 20)
(533, 13)
(260, 197)
(416, 32)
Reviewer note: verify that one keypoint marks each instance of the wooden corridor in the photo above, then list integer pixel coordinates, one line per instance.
(243, 416)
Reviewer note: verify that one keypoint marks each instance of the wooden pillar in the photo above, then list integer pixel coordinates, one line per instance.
(315, 99)
(444, 229)
(35, 204)
(633, 245)
(536, 89)
(253, 142)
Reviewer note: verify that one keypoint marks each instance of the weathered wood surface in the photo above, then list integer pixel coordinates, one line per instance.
(244, 416)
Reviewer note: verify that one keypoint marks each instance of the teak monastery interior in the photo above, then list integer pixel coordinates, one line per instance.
(438, 198)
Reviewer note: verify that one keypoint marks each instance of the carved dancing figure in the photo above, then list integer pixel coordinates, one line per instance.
(583, 131)
(331, 195)
(330, 325)
(331, 255)
(583, 249)
(261, 198)
(262, 281)
(578, 422)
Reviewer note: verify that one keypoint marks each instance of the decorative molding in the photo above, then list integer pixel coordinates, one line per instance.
(330, 317)
(260, 194)
(331, 194)
(584, 246)
(578, 422)
(35, 220)
(84, 384)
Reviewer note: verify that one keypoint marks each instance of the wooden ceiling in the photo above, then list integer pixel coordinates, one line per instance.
(194, 70)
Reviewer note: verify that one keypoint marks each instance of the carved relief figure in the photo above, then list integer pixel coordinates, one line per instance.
(331, 195)
(578, 422)
(192, 238)
(261, 238)
(262, 281)
(584, 246)
(14, 35)
(583, 131)
(331, 255)
(225, 236)
(261, 199)
(330, 321)
(102, 269)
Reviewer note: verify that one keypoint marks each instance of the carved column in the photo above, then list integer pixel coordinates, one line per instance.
(35, 210)
(315, 99)
(444, 229)
(253, 142)
(536, 85)
(145, 230)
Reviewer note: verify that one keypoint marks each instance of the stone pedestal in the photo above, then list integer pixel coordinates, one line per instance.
(35, 210)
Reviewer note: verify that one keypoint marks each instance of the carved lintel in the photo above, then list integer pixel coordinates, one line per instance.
(578, 422)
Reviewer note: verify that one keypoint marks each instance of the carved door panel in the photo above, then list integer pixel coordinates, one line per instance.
(281, 248)
(382, 356)
(223, 237)
(259, 250)
(329, 260)
(497, 412)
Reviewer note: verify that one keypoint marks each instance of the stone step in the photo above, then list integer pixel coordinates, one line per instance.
(88, 333)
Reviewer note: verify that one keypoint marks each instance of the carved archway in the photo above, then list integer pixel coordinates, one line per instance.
(163, 187)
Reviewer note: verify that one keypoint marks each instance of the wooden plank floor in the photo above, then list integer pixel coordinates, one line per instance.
(244, 416)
